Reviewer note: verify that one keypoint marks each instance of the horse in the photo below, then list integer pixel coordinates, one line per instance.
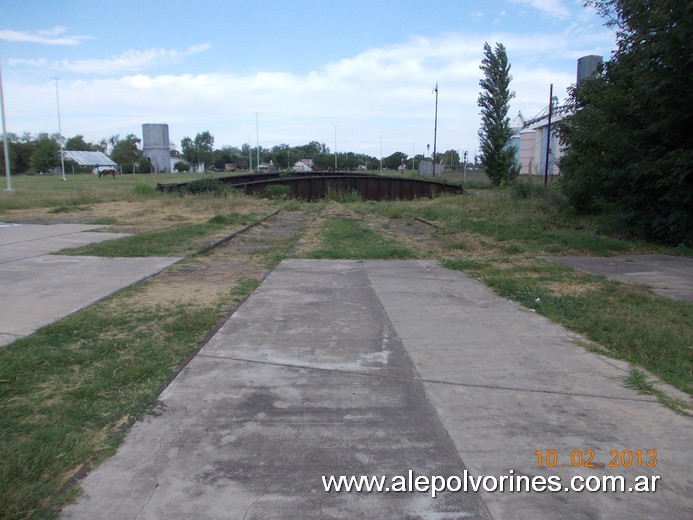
(103, 173)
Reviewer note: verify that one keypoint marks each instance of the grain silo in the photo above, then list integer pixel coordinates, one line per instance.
(156, 146)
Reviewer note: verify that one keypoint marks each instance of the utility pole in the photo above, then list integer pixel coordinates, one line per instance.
(5, 145)
(548, 137)
(435, 131)
(465, 167)
(60, 132)
(335, 148)
(257, 140)
(381, 154)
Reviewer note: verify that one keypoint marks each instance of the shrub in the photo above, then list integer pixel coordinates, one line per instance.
(213, 186)
(276, 191)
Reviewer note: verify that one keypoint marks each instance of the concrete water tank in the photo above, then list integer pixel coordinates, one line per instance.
(586, 66)
(155, 145)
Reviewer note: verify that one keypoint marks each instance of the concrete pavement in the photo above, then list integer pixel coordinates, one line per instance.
(39, 288)
(381, 368)
(670, 276)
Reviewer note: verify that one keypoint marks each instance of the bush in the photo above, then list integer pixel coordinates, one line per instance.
(181, 166)
(276, 191)
(213, 186)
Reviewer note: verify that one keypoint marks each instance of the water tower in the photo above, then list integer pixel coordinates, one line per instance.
(586, 66)
(155, 145)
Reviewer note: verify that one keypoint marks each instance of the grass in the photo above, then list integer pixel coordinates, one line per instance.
(638, 380)
(347, 238)
(48, 191)
(177, 240)
(497, 238)
(67, 388)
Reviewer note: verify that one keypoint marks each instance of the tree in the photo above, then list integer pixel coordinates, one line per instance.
(204, 142)
(394, 161)
(497, 157)
(78, 143)
(126, 152)
(46, 154)
(198, 150)
(450, 157)
(629, 144)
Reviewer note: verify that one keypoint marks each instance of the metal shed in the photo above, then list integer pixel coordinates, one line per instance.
(96, 159)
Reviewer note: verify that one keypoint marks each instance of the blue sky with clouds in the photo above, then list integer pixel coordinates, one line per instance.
(367, 68)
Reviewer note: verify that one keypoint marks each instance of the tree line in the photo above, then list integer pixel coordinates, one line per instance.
(41, 153)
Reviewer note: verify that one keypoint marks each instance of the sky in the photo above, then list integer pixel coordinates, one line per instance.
(356, 75)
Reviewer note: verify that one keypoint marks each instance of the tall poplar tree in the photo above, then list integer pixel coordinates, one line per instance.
(497, 157)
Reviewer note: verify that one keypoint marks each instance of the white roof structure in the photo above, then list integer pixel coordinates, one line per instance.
(89, 158)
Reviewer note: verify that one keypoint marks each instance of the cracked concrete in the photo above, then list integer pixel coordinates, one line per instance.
(379, 368)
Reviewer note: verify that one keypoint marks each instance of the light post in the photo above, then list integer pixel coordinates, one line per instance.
(465, 166)
(257, 140)
(381, 154)
(435, 132)
(335, 148)
(5, 145)
(60, 132)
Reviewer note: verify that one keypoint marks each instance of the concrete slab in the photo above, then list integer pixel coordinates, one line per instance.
(39, 288)
(670, 276)
(381, 368)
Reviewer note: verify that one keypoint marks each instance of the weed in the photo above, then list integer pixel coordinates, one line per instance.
(637, 380)
(143, 189)
(207, 185)
(276, 191)
(335, 192)
(245, 287)
(347, 238)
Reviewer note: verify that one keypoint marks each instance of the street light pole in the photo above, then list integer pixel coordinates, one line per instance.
(5, 145)
(381, 154)
(257, 140)
(60, 131)
(435, 132)
(465, 166)
(335, 148)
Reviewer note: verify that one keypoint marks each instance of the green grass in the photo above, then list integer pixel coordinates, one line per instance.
(50, 191)
(347, 238)
(175, 241)
(67, 387)
(245, 287)
(628, 321)
(638, 380)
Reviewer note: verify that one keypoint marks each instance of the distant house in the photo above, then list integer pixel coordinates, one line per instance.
(304, 165)
(267, 168)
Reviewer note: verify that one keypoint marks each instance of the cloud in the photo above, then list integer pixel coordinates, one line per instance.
(54, 36)
(384, 91)
(126, 62)
(553, 8)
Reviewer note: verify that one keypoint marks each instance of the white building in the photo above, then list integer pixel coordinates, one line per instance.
(304, 165)
(533, 143)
